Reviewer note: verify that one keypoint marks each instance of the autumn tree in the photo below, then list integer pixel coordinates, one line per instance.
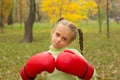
(21, 10)
(107, 20)
(99, 15)
(28, 36)
(73, 10)
(115, 11)
(10, 18)
(104, 7)
(38, 13)
(5, 9)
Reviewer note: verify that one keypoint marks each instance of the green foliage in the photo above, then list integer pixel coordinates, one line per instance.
(103, 53)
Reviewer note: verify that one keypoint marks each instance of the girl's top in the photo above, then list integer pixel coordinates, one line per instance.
(59, 75)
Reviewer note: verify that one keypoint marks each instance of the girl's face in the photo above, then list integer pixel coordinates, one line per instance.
(61, 36)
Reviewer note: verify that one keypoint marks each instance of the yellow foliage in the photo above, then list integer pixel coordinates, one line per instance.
(73, 10)
(22, 10)
(5, 8)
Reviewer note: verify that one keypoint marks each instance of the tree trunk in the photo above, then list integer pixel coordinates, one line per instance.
(28, 36)
(1, 23)
(107, 8)
(38, 16)
(99, 15)
(1, 17)
(10, 18)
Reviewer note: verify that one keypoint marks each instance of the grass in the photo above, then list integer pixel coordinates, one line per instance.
(103, 53)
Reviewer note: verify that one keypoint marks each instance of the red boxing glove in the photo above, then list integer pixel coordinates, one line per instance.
(72, 63)
(36, 64)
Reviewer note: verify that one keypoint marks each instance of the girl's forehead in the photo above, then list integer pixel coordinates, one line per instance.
(63, 27)
(64, 30)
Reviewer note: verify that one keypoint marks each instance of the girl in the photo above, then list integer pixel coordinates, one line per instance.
(63, 33)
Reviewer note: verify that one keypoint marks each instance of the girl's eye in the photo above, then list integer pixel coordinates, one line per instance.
(64, 39)
(57, 34)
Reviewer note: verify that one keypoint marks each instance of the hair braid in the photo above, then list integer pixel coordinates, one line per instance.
(80, 40)
(61, 18)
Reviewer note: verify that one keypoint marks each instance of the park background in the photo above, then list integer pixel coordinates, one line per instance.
(25, 27)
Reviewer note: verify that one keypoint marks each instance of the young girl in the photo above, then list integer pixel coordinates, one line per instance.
(63, 33)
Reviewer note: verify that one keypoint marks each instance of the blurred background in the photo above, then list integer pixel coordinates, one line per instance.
(25, 27)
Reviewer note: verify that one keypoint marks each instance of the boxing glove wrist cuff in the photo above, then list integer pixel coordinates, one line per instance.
(25, 72)
(85, 72)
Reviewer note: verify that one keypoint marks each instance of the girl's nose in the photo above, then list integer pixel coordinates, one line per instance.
(59, 39)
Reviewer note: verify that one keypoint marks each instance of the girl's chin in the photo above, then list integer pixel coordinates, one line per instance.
(56, 47)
